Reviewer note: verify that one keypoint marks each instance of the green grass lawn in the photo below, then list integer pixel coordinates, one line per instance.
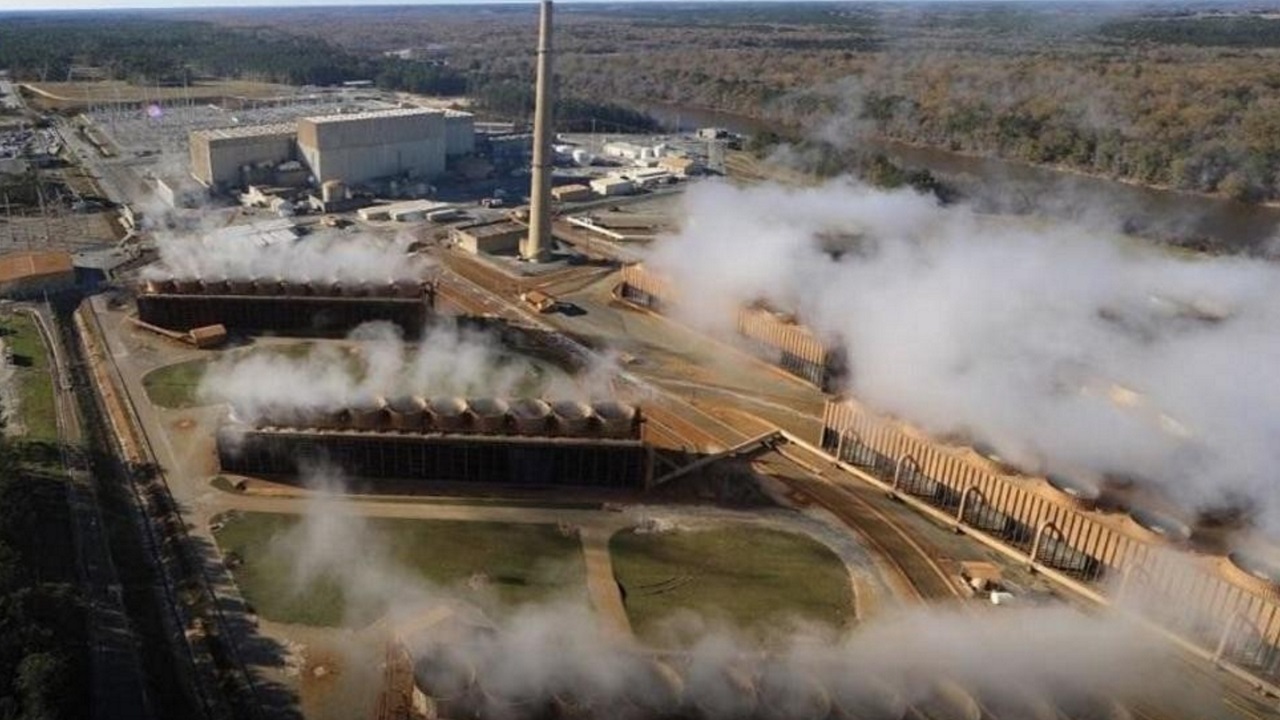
(521, 563)
(749, 576)
(174, 386)
(37, 411)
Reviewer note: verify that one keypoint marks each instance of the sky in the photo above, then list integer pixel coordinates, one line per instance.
(28, 5)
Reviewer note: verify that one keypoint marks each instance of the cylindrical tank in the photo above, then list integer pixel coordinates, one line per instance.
(443, 677)
(159, 285)
(282, 416)
(1253, 571)
(949, 700)
(240, 286)
(385, 288)
(785, 692)
(213, 286)
(617, 419)
(297, 287)
(490, 414)
(572, 418)
(266, 286)
(449, 414)
(407, 288)
(655, 689)
(861, 696)
(368, 413)
(186, 285)
(723, 691)
(355, 288)
(531, 416)
(511, 703)
(332, 418)
(406, 413)
(1158, 527)
(1079, 492)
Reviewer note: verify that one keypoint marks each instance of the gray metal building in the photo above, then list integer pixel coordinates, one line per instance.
(365, 146)
(460, 133)
(217, 156)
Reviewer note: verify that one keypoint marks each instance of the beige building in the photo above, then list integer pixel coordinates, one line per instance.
(360, 147)
(571, 193)
(218, 156)
(489, 238)
(32, 273)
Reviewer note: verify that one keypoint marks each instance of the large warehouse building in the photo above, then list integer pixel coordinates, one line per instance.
(354, 148)
(219, 156)
(364, 146)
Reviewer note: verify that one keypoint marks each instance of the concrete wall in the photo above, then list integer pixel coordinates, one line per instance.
(285, 315)
(460, 133)
(426, 458)
(216, 161)
(360, 148)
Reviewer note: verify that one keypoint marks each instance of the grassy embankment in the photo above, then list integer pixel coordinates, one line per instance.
(749, 577)
(514, 564)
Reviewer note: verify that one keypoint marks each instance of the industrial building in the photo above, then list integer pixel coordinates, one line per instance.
(612, 186)
(285, 307)
(771, 335)
(526, 442)
(353, 148)
(35, 273)
(495, 238)
(460, 133)
(360, 147)
(224, 157)
(1226, 604)
(571, 193)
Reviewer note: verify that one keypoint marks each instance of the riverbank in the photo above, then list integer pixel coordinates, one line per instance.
(1211, 222)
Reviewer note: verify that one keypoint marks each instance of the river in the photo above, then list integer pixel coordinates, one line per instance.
(1009, 187)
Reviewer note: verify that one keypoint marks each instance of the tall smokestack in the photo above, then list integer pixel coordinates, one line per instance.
(537, 245)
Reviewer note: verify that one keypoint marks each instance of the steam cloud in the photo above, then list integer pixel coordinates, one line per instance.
(449, 361)
(554, 651)
(1066, 349)
(321, 256)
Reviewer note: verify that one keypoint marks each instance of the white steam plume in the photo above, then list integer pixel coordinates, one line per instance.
(320, 256)
(538, 652)
(1067, 350)
(449, 361)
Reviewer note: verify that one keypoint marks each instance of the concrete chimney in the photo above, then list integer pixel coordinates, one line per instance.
(537, 246)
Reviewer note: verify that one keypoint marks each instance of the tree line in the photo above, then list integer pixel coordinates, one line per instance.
(44, 648)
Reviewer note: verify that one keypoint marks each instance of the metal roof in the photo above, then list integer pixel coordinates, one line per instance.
(244, 131)
(372, 115)
(32, 264)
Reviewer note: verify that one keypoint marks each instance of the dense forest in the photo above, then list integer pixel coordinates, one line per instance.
(44, 662)
(1186, 96)
(174, 52)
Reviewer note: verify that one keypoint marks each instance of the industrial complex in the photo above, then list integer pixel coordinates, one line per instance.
(386, 335)
(353, 148)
